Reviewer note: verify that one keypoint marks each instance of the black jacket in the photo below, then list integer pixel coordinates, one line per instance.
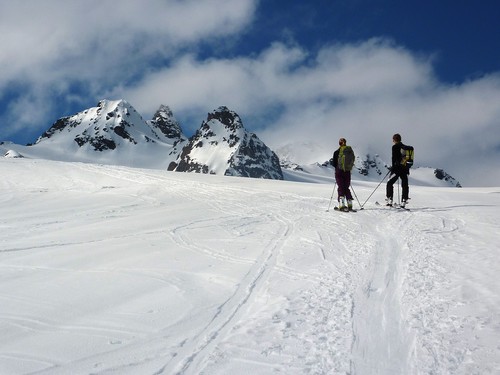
(335, 159)
(397, 157)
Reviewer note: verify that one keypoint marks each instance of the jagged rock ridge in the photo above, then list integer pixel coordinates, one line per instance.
(165, 122)
(223, 146)
(113, 123)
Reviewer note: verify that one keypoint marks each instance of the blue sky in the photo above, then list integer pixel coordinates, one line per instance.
(299, 73)
(462, 34)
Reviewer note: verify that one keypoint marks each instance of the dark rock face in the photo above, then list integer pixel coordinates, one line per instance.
(442, 175)
(223, 146)
(165, 122)
(59, 125)
(371, 164)
(254, 159)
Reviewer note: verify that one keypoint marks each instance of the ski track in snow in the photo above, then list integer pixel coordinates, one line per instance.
(381, 342)
(290, 288)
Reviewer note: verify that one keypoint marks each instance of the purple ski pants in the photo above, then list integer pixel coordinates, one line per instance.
(343, 179)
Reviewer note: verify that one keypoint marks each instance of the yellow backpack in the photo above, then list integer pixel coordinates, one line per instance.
(407, 153)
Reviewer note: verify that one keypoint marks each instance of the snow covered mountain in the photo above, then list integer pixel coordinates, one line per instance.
(112, 133)
(222, 146)
(374, 168)
(110, 125)
(371, 167)
(115, 133)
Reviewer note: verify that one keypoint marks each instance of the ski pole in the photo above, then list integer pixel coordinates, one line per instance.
(361, 208)
(331, 198)
(380, 183)
(399, 198)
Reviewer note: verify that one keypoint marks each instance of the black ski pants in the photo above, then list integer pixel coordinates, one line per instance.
(403, 175)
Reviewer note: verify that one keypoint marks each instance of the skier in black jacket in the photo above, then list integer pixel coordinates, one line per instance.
(399, 170)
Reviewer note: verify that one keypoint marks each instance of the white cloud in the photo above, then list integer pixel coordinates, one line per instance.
(244, 83)
(52, 46)
(101, 40)
(287, 75)
(364, 92)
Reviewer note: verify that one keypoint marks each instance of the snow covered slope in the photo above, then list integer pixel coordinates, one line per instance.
(109, 269)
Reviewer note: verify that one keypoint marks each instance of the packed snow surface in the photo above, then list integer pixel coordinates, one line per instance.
(115, 270)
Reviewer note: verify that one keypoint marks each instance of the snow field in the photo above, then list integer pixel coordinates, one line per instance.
(109, 269)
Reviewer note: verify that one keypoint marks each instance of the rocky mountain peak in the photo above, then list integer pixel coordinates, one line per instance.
(113, 124)
(223, 146)
(165, 122)
(228, 118)
(100, 127)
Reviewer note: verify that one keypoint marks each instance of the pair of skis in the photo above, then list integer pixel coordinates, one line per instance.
(345, 210)
(389, 206)
(394, 205)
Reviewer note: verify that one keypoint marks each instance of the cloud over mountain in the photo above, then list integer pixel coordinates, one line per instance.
(181, 53)
(55, 55)
(364, 92)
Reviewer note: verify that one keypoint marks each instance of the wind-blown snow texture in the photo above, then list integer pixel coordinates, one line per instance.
(108, 269)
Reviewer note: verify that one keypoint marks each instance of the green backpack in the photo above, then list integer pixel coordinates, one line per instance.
(346, 158)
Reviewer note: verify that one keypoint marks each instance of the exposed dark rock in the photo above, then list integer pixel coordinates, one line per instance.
(239, 153)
